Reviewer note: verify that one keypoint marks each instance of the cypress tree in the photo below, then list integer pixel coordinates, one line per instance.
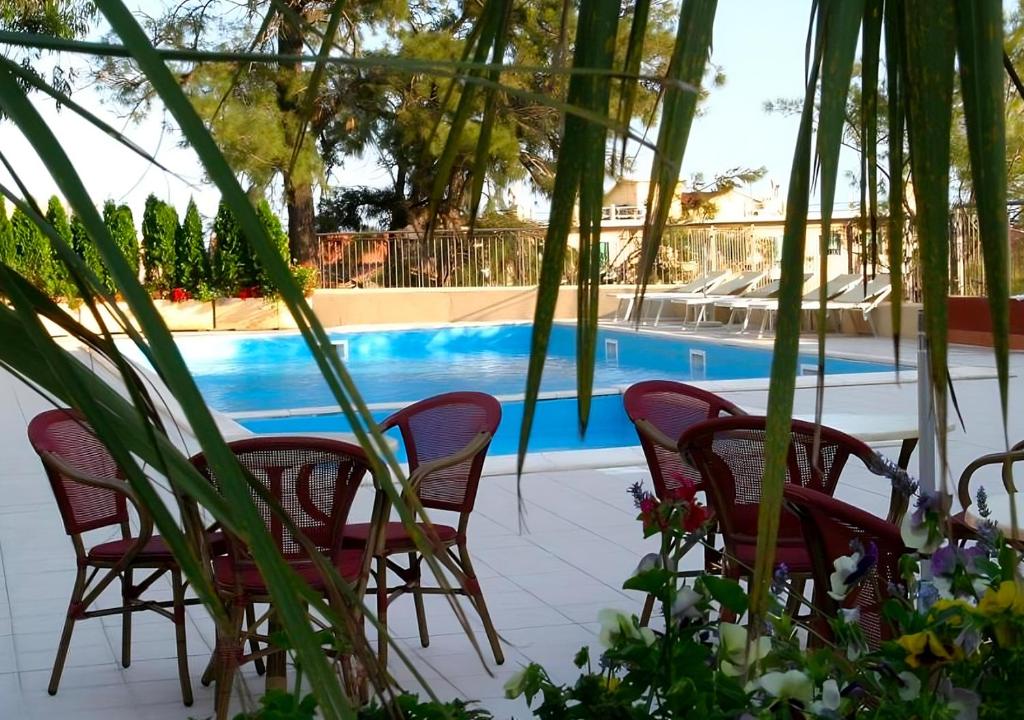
(229, 258)
(31, 251)
(87, 250)
(278, 237)
(121, 225)
(6, 236)
(61, 284)
(191, 261)
(159, 227)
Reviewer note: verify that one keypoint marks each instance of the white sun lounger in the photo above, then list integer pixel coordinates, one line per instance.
(835, 287)
(695, 288)
(738, 305)
(736, 287)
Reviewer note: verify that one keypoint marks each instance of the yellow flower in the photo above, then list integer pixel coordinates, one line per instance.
(1009, 596)
(925, 647)
(945, 605)
(611, 682)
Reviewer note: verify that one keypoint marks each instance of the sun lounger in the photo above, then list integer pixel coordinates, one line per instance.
(695, 288)
(738, 305)
(835, 287)
(736, 287)
(862, 297)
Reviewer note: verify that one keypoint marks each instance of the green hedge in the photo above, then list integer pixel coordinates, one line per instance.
(173, 256)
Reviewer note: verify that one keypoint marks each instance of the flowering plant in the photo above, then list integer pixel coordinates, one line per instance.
(180, 294)
(954, 615)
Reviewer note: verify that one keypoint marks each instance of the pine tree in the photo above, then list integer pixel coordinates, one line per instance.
(31, 251)
(191, 261)
(87, 250)
(6, 236)
(278, 237)
(121, 225)
(159, 227)
(61, 284)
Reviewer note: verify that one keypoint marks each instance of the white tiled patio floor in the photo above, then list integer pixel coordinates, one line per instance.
(544, 588)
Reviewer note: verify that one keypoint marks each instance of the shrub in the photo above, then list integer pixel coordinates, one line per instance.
(227, 253)
(31, 251)
(6, 236)
(191, 261)
(159, 230)
(121, 225)
(278, 237)
(87, 250)
(60, 279)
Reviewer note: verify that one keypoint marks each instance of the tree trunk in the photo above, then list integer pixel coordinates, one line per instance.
(301, 221)
(298, 189)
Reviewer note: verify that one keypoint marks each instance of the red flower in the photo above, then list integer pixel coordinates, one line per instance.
(685, 489)
(648, 505)
(695, 517)
(180, 295)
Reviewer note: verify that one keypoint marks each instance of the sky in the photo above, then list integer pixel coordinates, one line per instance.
(759, 45)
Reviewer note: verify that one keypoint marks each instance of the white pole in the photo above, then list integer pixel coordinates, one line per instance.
(925, 412)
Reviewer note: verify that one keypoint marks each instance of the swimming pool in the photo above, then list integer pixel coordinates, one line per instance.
(271, 384)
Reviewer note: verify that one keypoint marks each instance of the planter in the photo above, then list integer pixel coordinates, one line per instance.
(246, 314)
(89, 320)
(187, 315)
(970, 322)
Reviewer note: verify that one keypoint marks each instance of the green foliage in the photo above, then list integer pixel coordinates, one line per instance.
(275, 232)
(6, 235)
(87, 250)
(60, 282)
(159, 230)
(228, 253)
(31, 251)
(121, 225)
(191, 261)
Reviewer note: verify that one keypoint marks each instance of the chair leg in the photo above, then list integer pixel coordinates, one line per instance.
(229, 647)
(476, 596)
(126, 618)
(417, 596)
(382, 610)
(645, 616)
(254, 645)
(796, 593)
(179, 634)
(65, 636)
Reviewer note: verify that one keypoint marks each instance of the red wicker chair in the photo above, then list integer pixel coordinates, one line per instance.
(313, 481)
(446, 438)
(830, 526)
(92, 494)
(730, 454)
(661, 410)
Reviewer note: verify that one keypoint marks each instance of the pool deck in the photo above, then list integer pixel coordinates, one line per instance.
(544, 587)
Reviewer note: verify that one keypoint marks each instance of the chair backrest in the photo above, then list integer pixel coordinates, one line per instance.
(671, 408)
(313, 480)
(864, 292)
(830, 528)
(1004, 462)
(440, 427)
(739, 284)
(64, 434)
(730, 455)
(836, 286)
(704, 283)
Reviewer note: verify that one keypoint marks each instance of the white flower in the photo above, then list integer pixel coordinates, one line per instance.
(789, 685)
(736, 655)
(850, 616)
(911, 689)
(684, 607)
(918, 536)
(828, 705)
(844, 567)
(615, 623)
(650, 561)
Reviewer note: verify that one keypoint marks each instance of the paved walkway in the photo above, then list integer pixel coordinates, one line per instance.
(544, 588)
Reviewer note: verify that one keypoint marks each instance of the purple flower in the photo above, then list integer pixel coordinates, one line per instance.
(868, 559)
(927, 595)
(926, 502)
(983, 508)
(638, 493)
(944, 560)
(780, 578)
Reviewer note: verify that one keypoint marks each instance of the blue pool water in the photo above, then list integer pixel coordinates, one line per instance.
(276, 372)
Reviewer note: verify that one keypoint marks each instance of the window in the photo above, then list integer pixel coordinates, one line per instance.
(835, 243)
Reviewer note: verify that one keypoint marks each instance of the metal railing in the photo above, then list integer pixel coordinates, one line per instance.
(490, 258)
(512, 257)
(687, 252)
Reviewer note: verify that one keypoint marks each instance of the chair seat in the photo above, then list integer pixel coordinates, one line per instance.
(155, 550)
(797, 559)
(396, 537)
(348, 563)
